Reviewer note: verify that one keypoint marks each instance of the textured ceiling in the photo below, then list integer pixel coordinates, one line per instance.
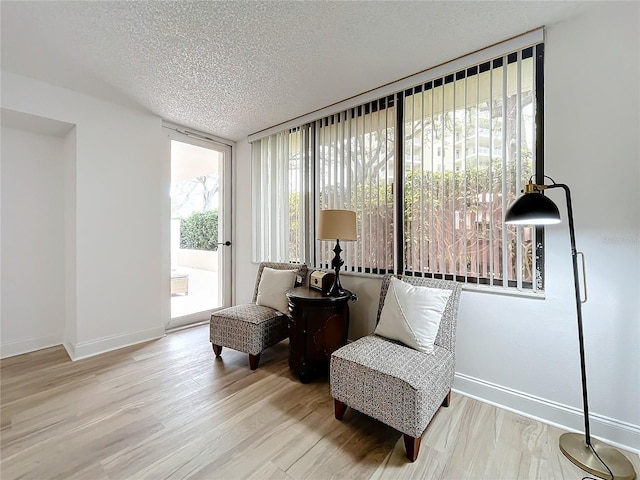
(233, 68)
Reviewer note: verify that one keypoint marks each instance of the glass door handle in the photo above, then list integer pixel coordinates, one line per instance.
(226, 244)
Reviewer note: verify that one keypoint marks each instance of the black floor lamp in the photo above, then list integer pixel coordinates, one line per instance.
(595, 457)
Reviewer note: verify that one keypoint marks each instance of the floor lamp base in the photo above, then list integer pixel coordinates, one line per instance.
(575, 448)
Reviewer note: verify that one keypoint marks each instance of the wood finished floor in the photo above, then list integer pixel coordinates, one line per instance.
(170, 409)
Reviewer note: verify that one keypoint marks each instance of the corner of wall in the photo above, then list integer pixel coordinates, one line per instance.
(70, 348)
(81, 350)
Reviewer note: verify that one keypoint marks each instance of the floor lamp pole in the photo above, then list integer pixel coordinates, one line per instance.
(576, 284)
(594, 457)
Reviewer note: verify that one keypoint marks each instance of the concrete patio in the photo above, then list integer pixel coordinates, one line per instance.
(203, 293)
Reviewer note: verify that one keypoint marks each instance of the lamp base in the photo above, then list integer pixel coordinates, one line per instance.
(336, 263)
(575, 448)
(336, 289)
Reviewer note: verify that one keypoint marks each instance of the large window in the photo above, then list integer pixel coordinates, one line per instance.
(282, 196)
(355, 166)
(430, 171)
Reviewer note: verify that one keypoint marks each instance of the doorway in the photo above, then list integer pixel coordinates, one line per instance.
(200, 233)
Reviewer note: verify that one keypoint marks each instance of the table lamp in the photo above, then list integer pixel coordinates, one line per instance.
(337, 225)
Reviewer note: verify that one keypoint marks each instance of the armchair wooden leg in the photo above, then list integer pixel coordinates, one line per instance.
(447, 400)
(412, 446)
(339, 408)
(217, 349)
(254, 360)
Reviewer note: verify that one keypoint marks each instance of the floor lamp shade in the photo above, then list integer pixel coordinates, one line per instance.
(593, 456)
(337, 225)
(532, 209)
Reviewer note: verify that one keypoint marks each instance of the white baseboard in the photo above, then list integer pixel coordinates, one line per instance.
(11, 349)
(106, 344)
(614, 432)
(71, 351)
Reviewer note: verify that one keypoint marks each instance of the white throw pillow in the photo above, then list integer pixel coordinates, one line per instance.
(273, 288)
(411, 314)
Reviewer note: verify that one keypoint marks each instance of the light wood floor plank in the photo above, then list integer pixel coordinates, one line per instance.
(170, 409)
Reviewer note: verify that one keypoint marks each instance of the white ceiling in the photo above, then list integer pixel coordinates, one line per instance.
(233, 68)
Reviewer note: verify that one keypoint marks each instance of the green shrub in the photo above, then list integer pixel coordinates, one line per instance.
(200, 231)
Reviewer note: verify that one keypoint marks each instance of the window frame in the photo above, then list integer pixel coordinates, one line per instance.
(538, 282)
(536, 285)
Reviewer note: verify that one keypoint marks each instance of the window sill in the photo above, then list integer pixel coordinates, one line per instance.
(509, 291)
(469, 287)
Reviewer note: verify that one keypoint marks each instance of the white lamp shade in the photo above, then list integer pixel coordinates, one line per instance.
(337, 225)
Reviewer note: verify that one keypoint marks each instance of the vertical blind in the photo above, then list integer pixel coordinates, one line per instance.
(469, 144)
(282, 207)
(355, 163)
(429, 171)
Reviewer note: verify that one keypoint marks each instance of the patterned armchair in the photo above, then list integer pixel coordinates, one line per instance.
(395, 384)
(252, 328)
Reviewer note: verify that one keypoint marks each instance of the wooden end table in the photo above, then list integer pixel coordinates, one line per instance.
(319, 326)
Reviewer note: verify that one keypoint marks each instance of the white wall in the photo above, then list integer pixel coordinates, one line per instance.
(116, 205)
(522, 353)
(33, 269)
(244, 278)
(71, 298)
